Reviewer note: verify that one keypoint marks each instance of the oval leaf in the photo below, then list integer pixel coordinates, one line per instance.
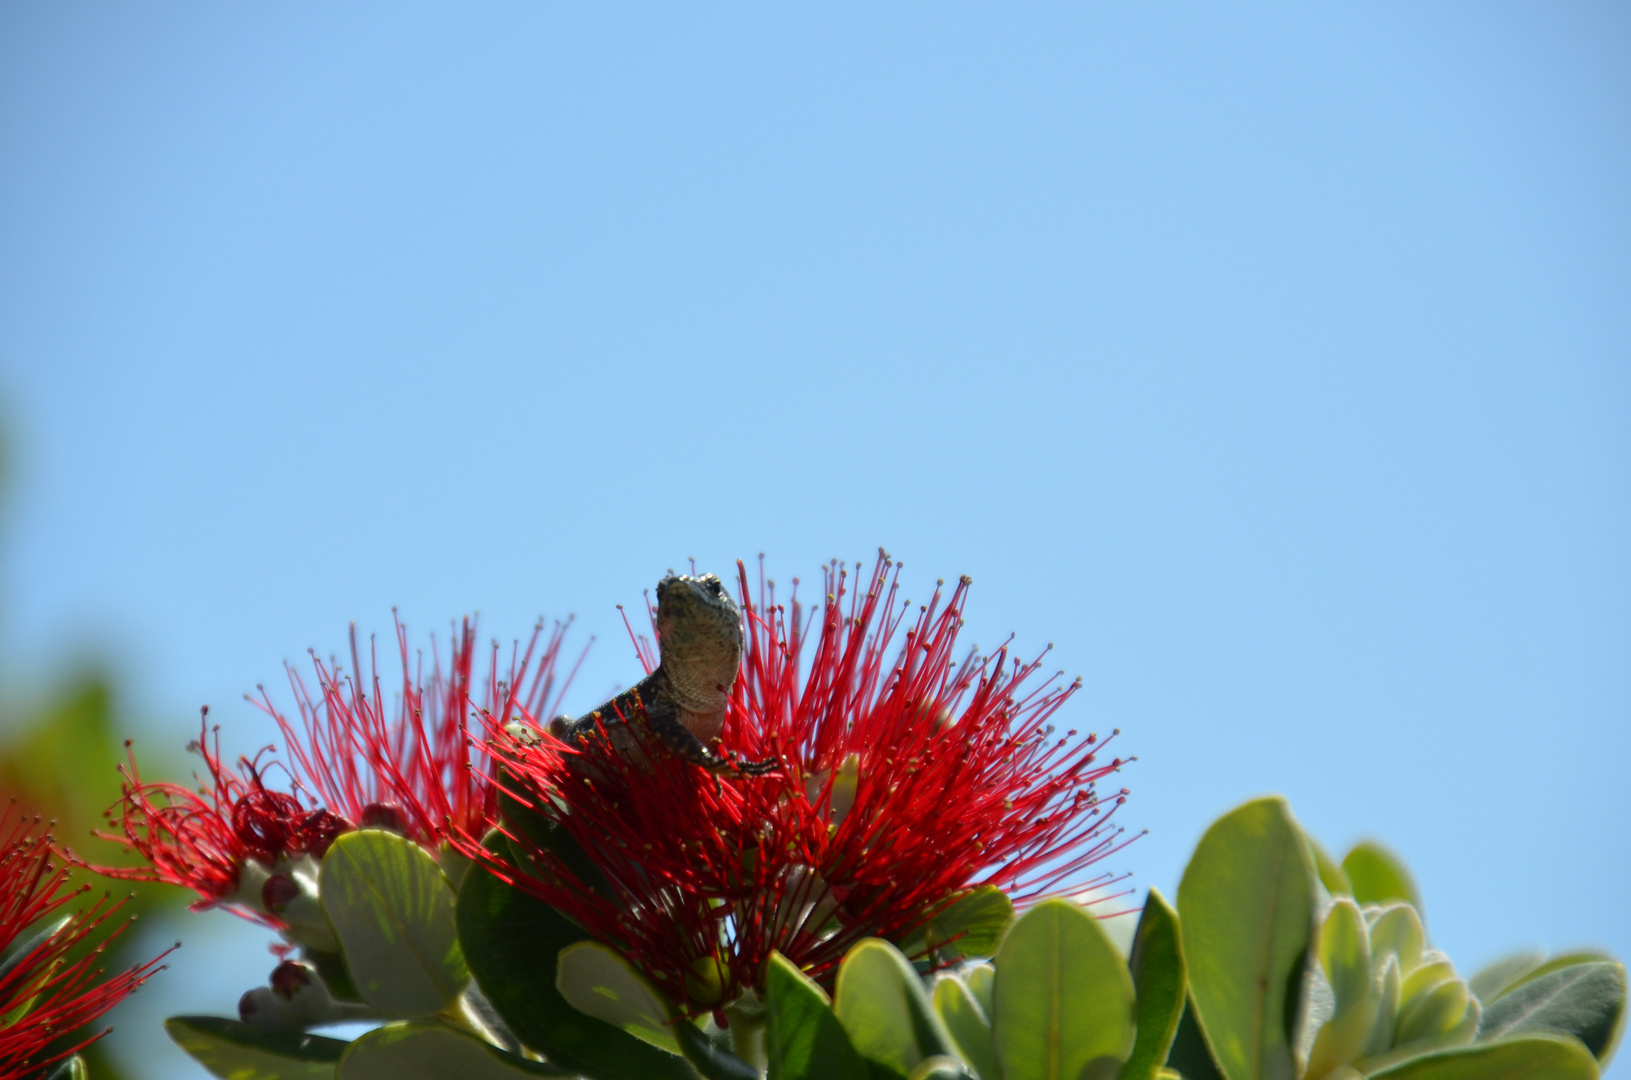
(1157, 964)
(512, 941)
(1586, 1001)
(233, 1050)
(1540, 1057)
(1247, 908)
(1064, 997)
(431, 1051)
(969, 1026)
(1494, 978)
(884, 1009)
(1378, 876)
(598, 982)
(392, 910)
(973, 925)
(803, 1038)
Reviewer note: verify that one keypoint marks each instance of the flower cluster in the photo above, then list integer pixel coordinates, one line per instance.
(910, 772)
(50, 988)
(250, 835)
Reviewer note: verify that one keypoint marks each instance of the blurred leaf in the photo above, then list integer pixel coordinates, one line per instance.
(803, 1037)
(512, 942)
(969, 1026)
(1494, 978)
(595, 980)
(1190, 1055)
(710, 1059)
(433, 1051)
(1585, 1000)
(1064, 997)
(1378, 876)
(1331, 875)
(1246, 908)
(981, 916)
(1157, 964)
(884, 1009)
(233, 1050)
(1540, 1057)
(393, 911)
(939, 1067)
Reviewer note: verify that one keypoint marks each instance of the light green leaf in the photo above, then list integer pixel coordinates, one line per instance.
(512, 941)
(233, 1050)
(1398, 930)
(1378, 876)
(1433, 1013)
(981, 916)
(1345, 953)
(392, 910)
(1157, 964)
(969, 1026)
(595, 980)
(433, 1051)
(1064, 997)
(1246, 905)
(884, 1009)
(803, 1038)
(1330, 873)
(981, 980)
(1584, 1000)
(69, 1069)
(1493, 979)
(939, 1067)
(1537, 1057)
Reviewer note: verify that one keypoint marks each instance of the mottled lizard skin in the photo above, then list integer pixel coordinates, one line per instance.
(682, 702)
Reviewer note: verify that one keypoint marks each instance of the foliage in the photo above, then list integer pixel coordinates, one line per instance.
(1281, 977)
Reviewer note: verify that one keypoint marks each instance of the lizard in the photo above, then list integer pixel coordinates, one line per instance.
(682, 701)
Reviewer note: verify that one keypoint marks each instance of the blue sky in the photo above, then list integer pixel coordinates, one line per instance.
(1272, 362)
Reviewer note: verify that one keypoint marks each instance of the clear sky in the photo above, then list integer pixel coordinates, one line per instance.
(1273, 362)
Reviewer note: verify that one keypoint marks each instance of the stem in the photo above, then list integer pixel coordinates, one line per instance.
(748, 1036)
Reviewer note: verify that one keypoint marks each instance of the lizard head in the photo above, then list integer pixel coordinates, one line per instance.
(699, 635)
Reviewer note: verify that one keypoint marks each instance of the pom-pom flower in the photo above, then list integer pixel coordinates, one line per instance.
(250, 836)
(49, 987)
(910, 772)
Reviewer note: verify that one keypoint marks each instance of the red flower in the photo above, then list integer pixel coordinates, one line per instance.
(46, 993)
(224, 840)
(415, 769)
(251, 847)
(908, 775)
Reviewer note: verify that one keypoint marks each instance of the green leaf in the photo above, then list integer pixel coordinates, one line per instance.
(392, 909)
(1064, 997)
(72, 1068)
(1247, 908)
(981, 916)
(596, 980)
(1584, 1000)
(803, 1038)
(939, 1067)
(1157, 964)
(981, 980)
(1331, 876)
(884, 1009)
(1378, 876)
(233, 1050)
(969, 1026)
(1537, 1057)
(434, 1051)
(709, 1058)
(1190, 1055)
(1493, 979)
(1560, 961)
(531, 826)
(512, 941)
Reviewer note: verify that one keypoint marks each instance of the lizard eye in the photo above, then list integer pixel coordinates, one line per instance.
(715, 587)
